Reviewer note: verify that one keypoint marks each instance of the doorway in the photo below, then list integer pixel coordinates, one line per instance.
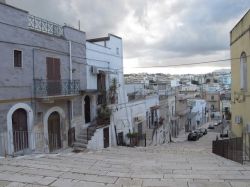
(87, 109)
(54, 131)
(106, 137)
(20, 130)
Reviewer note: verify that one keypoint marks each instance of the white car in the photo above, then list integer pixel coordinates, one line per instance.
(216, 123)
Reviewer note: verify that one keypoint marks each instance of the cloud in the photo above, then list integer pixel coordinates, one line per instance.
(97, 17)
(155, 32)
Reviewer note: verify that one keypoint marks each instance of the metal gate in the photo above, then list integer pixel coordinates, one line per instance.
(229, 148)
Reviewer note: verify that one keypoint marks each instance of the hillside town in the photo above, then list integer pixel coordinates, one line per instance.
(70, 116)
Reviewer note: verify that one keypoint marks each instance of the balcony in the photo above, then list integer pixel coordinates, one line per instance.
(48, 88)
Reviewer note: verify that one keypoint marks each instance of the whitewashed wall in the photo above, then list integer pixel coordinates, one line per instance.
(107, 58)
(97, 141)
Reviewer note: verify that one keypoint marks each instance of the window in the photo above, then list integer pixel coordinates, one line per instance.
(117, 51)
(17, 58)
(212, 97)
(243, 71)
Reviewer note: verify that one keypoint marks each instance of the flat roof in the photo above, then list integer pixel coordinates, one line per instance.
(101, 39)
(5, 4)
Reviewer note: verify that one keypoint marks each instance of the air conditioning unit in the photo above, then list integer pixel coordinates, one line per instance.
(94, 70)
(238, 119)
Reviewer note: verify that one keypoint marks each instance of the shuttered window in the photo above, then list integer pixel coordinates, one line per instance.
(243, 72)
(17, 58)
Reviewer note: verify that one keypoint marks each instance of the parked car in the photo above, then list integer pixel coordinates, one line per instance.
(203, 131)
(225, 135)
(193, 136)
(220, 122)
(199, 132)
(216, 123)
(210, 126)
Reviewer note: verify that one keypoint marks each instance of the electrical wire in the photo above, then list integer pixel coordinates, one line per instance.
(194, 63)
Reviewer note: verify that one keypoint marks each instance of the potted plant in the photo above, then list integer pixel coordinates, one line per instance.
(161, 120)
(112, 91)
(133, 137)
(103, 115)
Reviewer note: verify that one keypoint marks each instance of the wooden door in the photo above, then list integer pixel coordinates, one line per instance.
(20, 130)
(54, 131)
(106, 137)
(140, 130)
(53, 76)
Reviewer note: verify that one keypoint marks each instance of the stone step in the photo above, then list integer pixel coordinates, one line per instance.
(85, 137)
(84, 141)
(85, 131)
(82, 138)
(79, 145)
(78, 149)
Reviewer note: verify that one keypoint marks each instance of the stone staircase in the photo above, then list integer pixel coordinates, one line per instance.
(82, 138)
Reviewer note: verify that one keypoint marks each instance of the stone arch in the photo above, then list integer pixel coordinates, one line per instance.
(30, 119)
(61, 112)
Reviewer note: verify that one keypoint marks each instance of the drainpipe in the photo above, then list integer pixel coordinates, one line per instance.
(70, 78)
(70, 62)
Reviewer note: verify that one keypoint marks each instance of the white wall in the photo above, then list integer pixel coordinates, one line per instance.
(198, 107)
(125, 113)
(97, 141)
(108, 60)
(131, 88)
(175, 83)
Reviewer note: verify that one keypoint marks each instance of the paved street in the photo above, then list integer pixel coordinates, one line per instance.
(181, 164)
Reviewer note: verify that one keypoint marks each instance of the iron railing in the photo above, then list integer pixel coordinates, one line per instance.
(25, 142)
(45, 87)
(45, 26)
(229, 148)
(138, 140)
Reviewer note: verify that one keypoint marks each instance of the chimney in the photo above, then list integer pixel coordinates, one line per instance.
(2, 1)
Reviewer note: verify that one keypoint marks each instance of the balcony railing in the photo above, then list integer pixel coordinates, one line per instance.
(44, 88)
(45, 26)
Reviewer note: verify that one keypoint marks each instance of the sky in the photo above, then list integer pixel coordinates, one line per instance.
(155, 32)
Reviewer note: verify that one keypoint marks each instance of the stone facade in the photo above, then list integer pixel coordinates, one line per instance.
(240, 51)
(18, 88)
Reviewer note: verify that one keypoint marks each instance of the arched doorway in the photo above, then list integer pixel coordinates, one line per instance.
(20, 130)
(87, 109)
(54, 131)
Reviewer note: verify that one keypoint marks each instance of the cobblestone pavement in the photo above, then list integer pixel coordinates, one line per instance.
(181, 164)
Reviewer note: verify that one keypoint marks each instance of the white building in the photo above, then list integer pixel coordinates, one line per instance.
(175, 83)
(104, 86)
(198, 110)
(211, 88)
(225, 79)
(136, 115)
